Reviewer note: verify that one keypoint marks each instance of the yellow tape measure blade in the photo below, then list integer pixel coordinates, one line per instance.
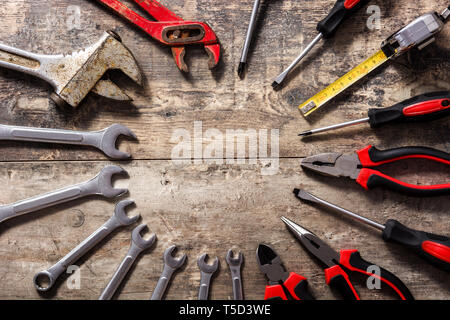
(360, 71)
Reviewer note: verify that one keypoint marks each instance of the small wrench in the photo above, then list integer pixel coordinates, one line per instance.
(138, 244)
(207, 272)
(101, 185)
(44, 280)
(170, 266)
(235, 268)
(105, 139)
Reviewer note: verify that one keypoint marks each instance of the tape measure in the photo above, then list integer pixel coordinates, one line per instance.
(319, 99)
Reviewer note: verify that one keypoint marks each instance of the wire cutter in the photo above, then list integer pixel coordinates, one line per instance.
(358, 166)
(282, 284)
(335, 276)
(170, 29)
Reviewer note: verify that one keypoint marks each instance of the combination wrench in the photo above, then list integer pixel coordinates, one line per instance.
(44, 280)
(207, 272)
(138, 245)
(170, 266)
(104, 140)
(235, 268)
(101, 185)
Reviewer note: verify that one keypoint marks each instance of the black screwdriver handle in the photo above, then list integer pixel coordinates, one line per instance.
(424, 107)
(341, 11)
(433, 248)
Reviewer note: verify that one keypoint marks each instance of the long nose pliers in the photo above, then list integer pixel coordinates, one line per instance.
(358, 165)
(335, 275)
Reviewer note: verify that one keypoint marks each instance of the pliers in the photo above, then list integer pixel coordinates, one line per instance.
(357, 166)
(170, 29)
(282, 284)
(335, 276)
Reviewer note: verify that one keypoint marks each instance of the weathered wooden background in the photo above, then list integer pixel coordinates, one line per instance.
(213, 207)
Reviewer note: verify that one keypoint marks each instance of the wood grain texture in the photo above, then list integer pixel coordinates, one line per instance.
(213, 207)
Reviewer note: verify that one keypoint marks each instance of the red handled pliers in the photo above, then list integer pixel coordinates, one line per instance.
(335, 276)
(170, 29)
(358, 166)
(282, 284)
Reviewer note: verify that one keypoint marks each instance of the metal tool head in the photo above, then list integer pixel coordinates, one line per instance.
(139, 241)
(207, 268)
(104, 182)
(313, 243)
(90, 65)
(170, 260)
(121, 215)
(234, 261)
(270, 264)
(334, 164)
(109, 139)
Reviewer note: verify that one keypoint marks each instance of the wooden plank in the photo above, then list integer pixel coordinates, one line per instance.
(171, 100)
(209, 208)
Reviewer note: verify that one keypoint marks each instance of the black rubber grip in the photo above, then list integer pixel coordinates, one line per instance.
(358, 264)
(377, 155)
(328, 26)
(340, 284)
(302, 291)
(395, 114)
(433, 248)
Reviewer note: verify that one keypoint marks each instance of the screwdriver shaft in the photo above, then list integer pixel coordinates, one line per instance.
(332, 127)
(248, 38)
(307, 196)
(283, 75)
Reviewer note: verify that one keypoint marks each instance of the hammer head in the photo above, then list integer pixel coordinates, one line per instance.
(90, 65)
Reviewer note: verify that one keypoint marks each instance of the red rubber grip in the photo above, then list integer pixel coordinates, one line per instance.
(437, 250)
(366, 161)
(365, 174)
(348, 4)
(291, 282)
(426, 107)
(336, 271)
(274, 292)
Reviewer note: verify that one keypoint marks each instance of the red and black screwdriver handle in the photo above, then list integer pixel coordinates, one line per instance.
(295, 284)
(433, 248)
(342, 10)
(338, 279)
(424, 107)
(372, 157)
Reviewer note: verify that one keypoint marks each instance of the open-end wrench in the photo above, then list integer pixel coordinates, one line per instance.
(44, 280)
(105, 139)
(74, 75)
(138, 244)
(170, 266)
(207, 272)
(101, 185)
(235, 268)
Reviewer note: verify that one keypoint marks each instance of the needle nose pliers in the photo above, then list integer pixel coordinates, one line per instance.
(358, 166)
(282, 285)
(335, 275)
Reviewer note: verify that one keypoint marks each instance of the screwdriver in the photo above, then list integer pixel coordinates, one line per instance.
(424, 107)
(433, 248)
(248, 39)
(327, 27)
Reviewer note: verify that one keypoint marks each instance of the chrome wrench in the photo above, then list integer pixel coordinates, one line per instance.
(170, 266)
(44, 280)
(101, 185)
(207, 272)
(104, 140)
(235, 268)
(138, 244)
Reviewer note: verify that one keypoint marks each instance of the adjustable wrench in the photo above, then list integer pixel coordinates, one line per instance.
(105, 139)
(138, 244)
(44, 280)
(207, 272)
(101, 185)
(73, 76)
(170, 266)
(235, 268)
